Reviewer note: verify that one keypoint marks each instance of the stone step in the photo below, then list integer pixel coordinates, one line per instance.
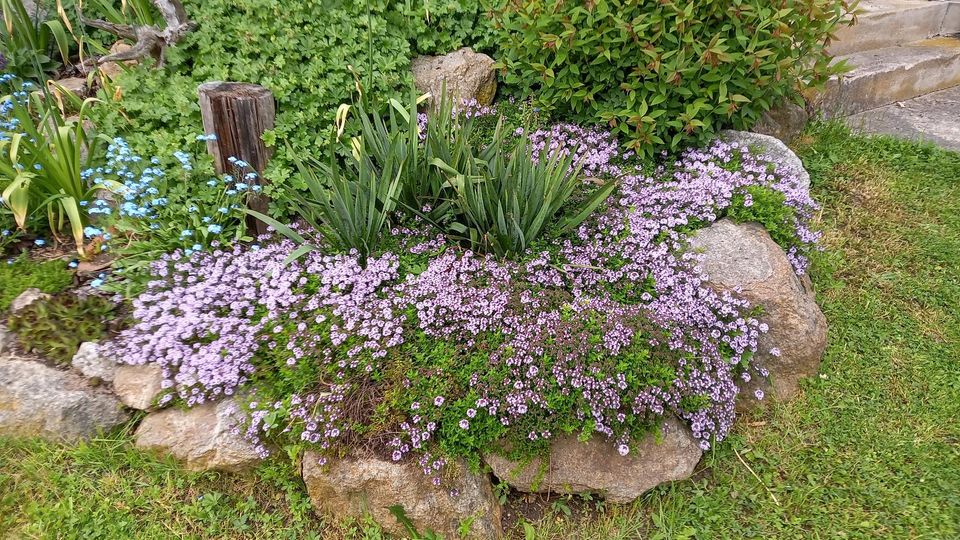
(933, 118)
(889, 23)
(884, 76)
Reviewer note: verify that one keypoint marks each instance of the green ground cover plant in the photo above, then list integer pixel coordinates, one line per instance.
(55, 327)
(869, 450)
(311, 57)
(20, 273)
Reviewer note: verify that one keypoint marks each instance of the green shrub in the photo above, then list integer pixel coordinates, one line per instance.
(304, 52)
(665, 73)
(18, 275)
(28, 39)
(57, 326)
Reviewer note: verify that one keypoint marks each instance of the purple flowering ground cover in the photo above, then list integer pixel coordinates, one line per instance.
(868, 449)
(429, 351)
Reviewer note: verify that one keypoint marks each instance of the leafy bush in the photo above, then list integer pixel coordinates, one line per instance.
(310, 55)
(57, 326)
(665, 73)
(20, 274)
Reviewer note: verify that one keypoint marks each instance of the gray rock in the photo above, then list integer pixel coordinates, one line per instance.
(7, 339)
(361, 485)
(203, 437)
(41, 401)
(92, 362)
(787, 163)
(595, 466)
(785, 121)
(744, 259)
(468, 75)
(26, 298)
(138, 387)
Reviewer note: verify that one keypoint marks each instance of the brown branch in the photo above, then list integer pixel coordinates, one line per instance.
(119, 30)
(150, 40)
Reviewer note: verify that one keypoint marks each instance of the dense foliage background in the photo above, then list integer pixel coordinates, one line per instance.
(310, 54)
(662, 72)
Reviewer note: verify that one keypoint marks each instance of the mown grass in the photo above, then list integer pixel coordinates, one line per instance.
(871, 449)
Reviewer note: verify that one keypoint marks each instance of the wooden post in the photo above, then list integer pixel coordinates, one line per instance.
(238, 114)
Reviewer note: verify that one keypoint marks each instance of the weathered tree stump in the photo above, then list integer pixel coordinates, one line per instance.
(238, 114)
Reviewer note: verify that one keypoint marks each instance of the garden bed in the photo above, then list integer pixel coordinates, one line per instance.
(430, 353)
(451, 290)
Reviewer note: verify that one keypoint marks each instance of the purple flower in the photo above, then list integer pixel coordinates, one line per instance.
(621, 290)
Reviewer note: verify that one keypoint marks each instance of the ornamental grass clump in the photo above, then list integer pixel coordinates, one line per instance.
(428, 350)
(498, 195)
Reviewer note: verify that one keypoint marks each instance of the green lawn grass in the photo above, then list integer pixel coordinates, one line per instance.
(871, 449)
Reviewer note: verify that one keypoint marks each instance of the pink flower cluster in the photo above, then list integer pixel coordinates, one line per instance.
(565, 318)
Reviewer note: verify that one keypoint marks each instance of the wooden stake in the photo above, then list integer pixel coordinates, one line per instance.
(238, 114)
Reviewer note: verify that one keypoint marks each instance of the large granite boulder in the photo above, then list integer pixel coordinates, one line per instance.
(138, 387)
(776, 152)
(361, 485)
(40, 401)
(596, 466)
(467, 75)
(92, 362)
(743, 259)
(204, 437)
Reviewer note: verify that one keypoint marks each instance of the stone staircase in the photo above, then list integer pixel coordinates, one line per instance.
(905, 76)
